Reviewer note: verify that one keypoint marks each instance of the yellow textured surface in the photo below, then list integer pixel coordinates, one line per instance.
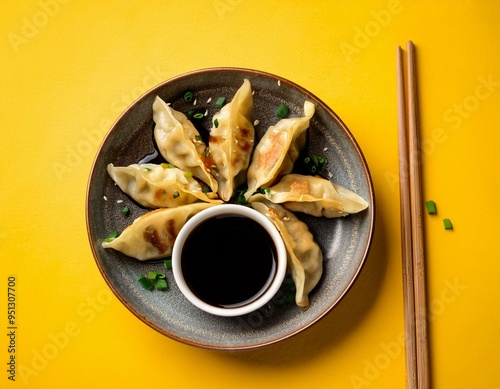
(67, 70)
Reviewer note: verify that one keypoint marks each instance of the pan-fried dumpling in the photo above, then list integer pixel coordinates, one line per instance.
(179, 142)
(159, 186)
(277, 150)
(305, 258)
(315, 196)
(231, 141)
(152, 235)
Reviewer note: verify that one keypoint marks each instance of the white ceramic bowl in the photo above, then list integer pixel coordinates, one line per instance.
(229, 210)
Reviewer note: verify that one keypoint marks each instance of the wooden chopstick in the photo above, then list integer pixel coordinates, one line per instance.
(412, 240)
(406, 235)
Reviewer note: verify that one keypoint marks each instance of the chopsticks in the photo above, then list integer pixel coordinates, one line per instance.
(412, 237)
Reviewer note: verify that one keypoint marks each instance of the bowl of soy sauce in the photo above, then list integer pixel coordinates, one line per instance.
(229, 260)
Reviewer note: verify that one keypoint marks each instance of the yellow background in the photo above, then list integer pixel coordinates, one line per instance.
(67, 70)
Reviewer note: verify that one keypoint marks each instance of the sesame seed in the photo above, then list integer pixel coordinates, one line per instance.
(194, 102)
(279, 82)
(209, 100)
(206, 113)
(105, 198)
(255, 122)
(119, 201)
(286, 218)
(326, 148)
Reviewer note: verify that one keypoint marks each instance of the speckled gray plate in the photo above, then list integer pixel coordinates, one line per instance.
(345, 241)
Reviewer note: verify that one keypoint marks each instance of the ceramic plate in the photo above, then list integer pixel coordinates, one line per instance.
(344, 241)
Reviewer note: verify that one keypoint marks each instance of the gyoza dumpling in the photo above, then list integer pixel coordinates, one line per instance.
(277, 150)
(179, 142)
(231, 141)
(315, 196)
(305, 258)
(152, 235)
(159, 186)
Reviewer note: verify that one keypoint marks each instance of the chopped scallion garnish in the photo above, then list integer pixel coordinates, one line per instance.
(176, 194)
(188, 96)
(220, 102)
(282, 111)
(145, 283)
(125, 211)
(431, 207)
(111, 237)
(161, 284)
(216, 123)
(153, 280)
(167, 263)
(313, 165)
(198, 115)
(188, 174)
(447, 224)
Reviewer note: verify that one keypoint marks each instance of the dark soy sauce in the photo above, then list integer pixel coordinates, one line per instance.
(229, 261)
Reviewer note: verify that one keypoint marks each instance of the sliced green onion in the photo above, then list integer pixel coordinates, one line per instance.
(197, 137)
(145, 283)
(111, 237)
(167, 263)
(148, 169)
(176, 194)
(220, 102)
(125, 211)
(431, 207)
(188, 96)
(198, 115)
(190, 114)
(188, 174)
(216, 123)
(282, 111)
(447, 224)
(161, 284)
(314, 164)
(206, 190)
(152, 275)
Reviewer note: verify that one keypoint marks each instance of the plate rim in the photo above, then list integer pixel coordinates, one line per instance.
(278, 79)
